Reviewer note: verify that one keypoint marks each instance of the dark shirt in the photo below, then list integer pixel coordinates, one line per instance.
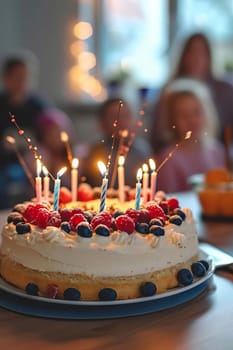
(26, 115)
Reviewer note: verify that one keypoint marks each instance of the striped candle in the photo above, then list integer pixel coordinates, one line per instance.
(138, 189)
(57, 185)
(104, 187)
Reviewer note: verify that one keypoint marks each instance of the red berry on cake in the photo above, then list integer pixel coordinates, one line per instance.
(66, 214)
(30, 213)
(133, 214)
(75, 220)
(125, 224)
(144, 216)
(42, 218)
(52, 291)
(54, 220)
(155, 211)
(85, 193)
(172, 203)
(101, 219)
(65, 195)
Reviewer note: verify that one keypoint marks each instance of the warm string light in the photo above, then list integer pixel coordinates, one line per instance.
(11, 141)
(65, 139)
(178, 145)
(28, 140)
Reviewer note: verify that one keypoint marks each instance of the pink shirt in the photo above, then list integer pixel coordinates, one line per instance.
(196, 158)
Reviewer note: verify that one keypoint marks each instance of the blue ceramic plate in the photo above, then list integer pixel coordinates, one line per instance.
(17, 300)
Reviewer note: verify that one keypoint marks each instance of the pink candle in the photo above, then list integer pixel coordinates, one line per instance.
(145, 182)
(121, 179)
(153, 179)
(74, 179)
(38, 182)
(46, 183)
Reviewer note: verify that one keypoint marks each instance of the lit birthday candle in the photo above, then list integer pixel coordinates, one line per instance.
(46, 182)
(153, 178)
(38, 181)
(74, 179)
(121, 179)
(57, 184)
(138, 189)
(103, 171)
(145, 182)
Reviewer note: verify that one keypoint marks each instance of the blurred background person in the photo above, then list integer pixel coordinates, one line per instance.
(49, 125)
(196, 62)
(188, 106)
(137, 153)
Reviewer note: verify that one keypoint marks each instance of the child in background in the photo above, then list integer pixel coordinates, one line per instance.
(188, 106)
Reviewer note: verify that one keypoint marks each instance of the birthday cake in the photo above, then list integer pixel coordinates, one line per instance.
(76, 254)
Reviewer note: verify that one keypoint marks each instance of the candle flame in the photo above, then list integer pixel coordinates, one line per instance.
(139, 174)
(61, 171)
(45, 170)
(121, 160)
(10, 139)
(145, 168)
(188, 135)
(38, 167)
(75, 163)
(152, 164)
(102, 168)
(64, 136)
(124, 133)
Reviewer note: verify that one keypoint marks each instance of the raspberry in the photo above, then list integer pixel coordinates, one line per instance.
(144, 216)
(75, 220)
(42, 218)
(133, 214)
(125, 223)
(54, 220)
(52, 291)
(164, 206)
(77, 211)
(101, 219)
(30, 213)
(65, 195)
(66, 214)
(85, 193)
(155, 211)
(173, 203)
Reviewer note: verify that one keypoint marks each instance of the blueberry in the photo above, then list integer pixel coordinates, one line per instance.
(84, 230)
(176, 220)
(18, 219)
(106, 294)
(65, 226)
(22, 228)
(102, 230)
(148, 289)
(32, 289)
(71, 294)
(205, 263)
(198, 269)
(88, 215)
(156, 222)
(142, 228)
(12, 216)
(118, 213)
(157, 230)
(185, 277)
(180, 212)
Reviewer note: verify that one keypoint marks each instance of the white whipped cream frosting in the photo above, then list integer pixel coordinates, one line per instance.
(119, 254)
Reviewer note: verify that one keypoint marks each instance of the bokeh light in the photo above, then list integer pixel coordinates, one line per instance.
(83, 30)
(87, 60)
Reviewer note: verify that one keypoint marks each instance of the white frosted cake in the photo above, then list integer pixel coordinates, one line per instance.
(76, 254)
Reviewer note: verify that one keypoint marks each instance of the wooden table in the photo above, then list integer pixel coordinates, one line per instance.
(206, 323)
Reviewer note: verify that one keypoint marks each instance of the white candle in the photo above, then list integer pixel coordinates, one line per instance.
(38, 182)
(121, 179)
(138, 189)
(57, 185)
(145, 182)
(103, 171)
(74, 179)
(46, 183)
(153, 179)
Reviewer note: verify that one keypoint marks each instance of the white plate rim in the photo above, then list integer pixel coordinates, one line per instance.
(6, 287)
